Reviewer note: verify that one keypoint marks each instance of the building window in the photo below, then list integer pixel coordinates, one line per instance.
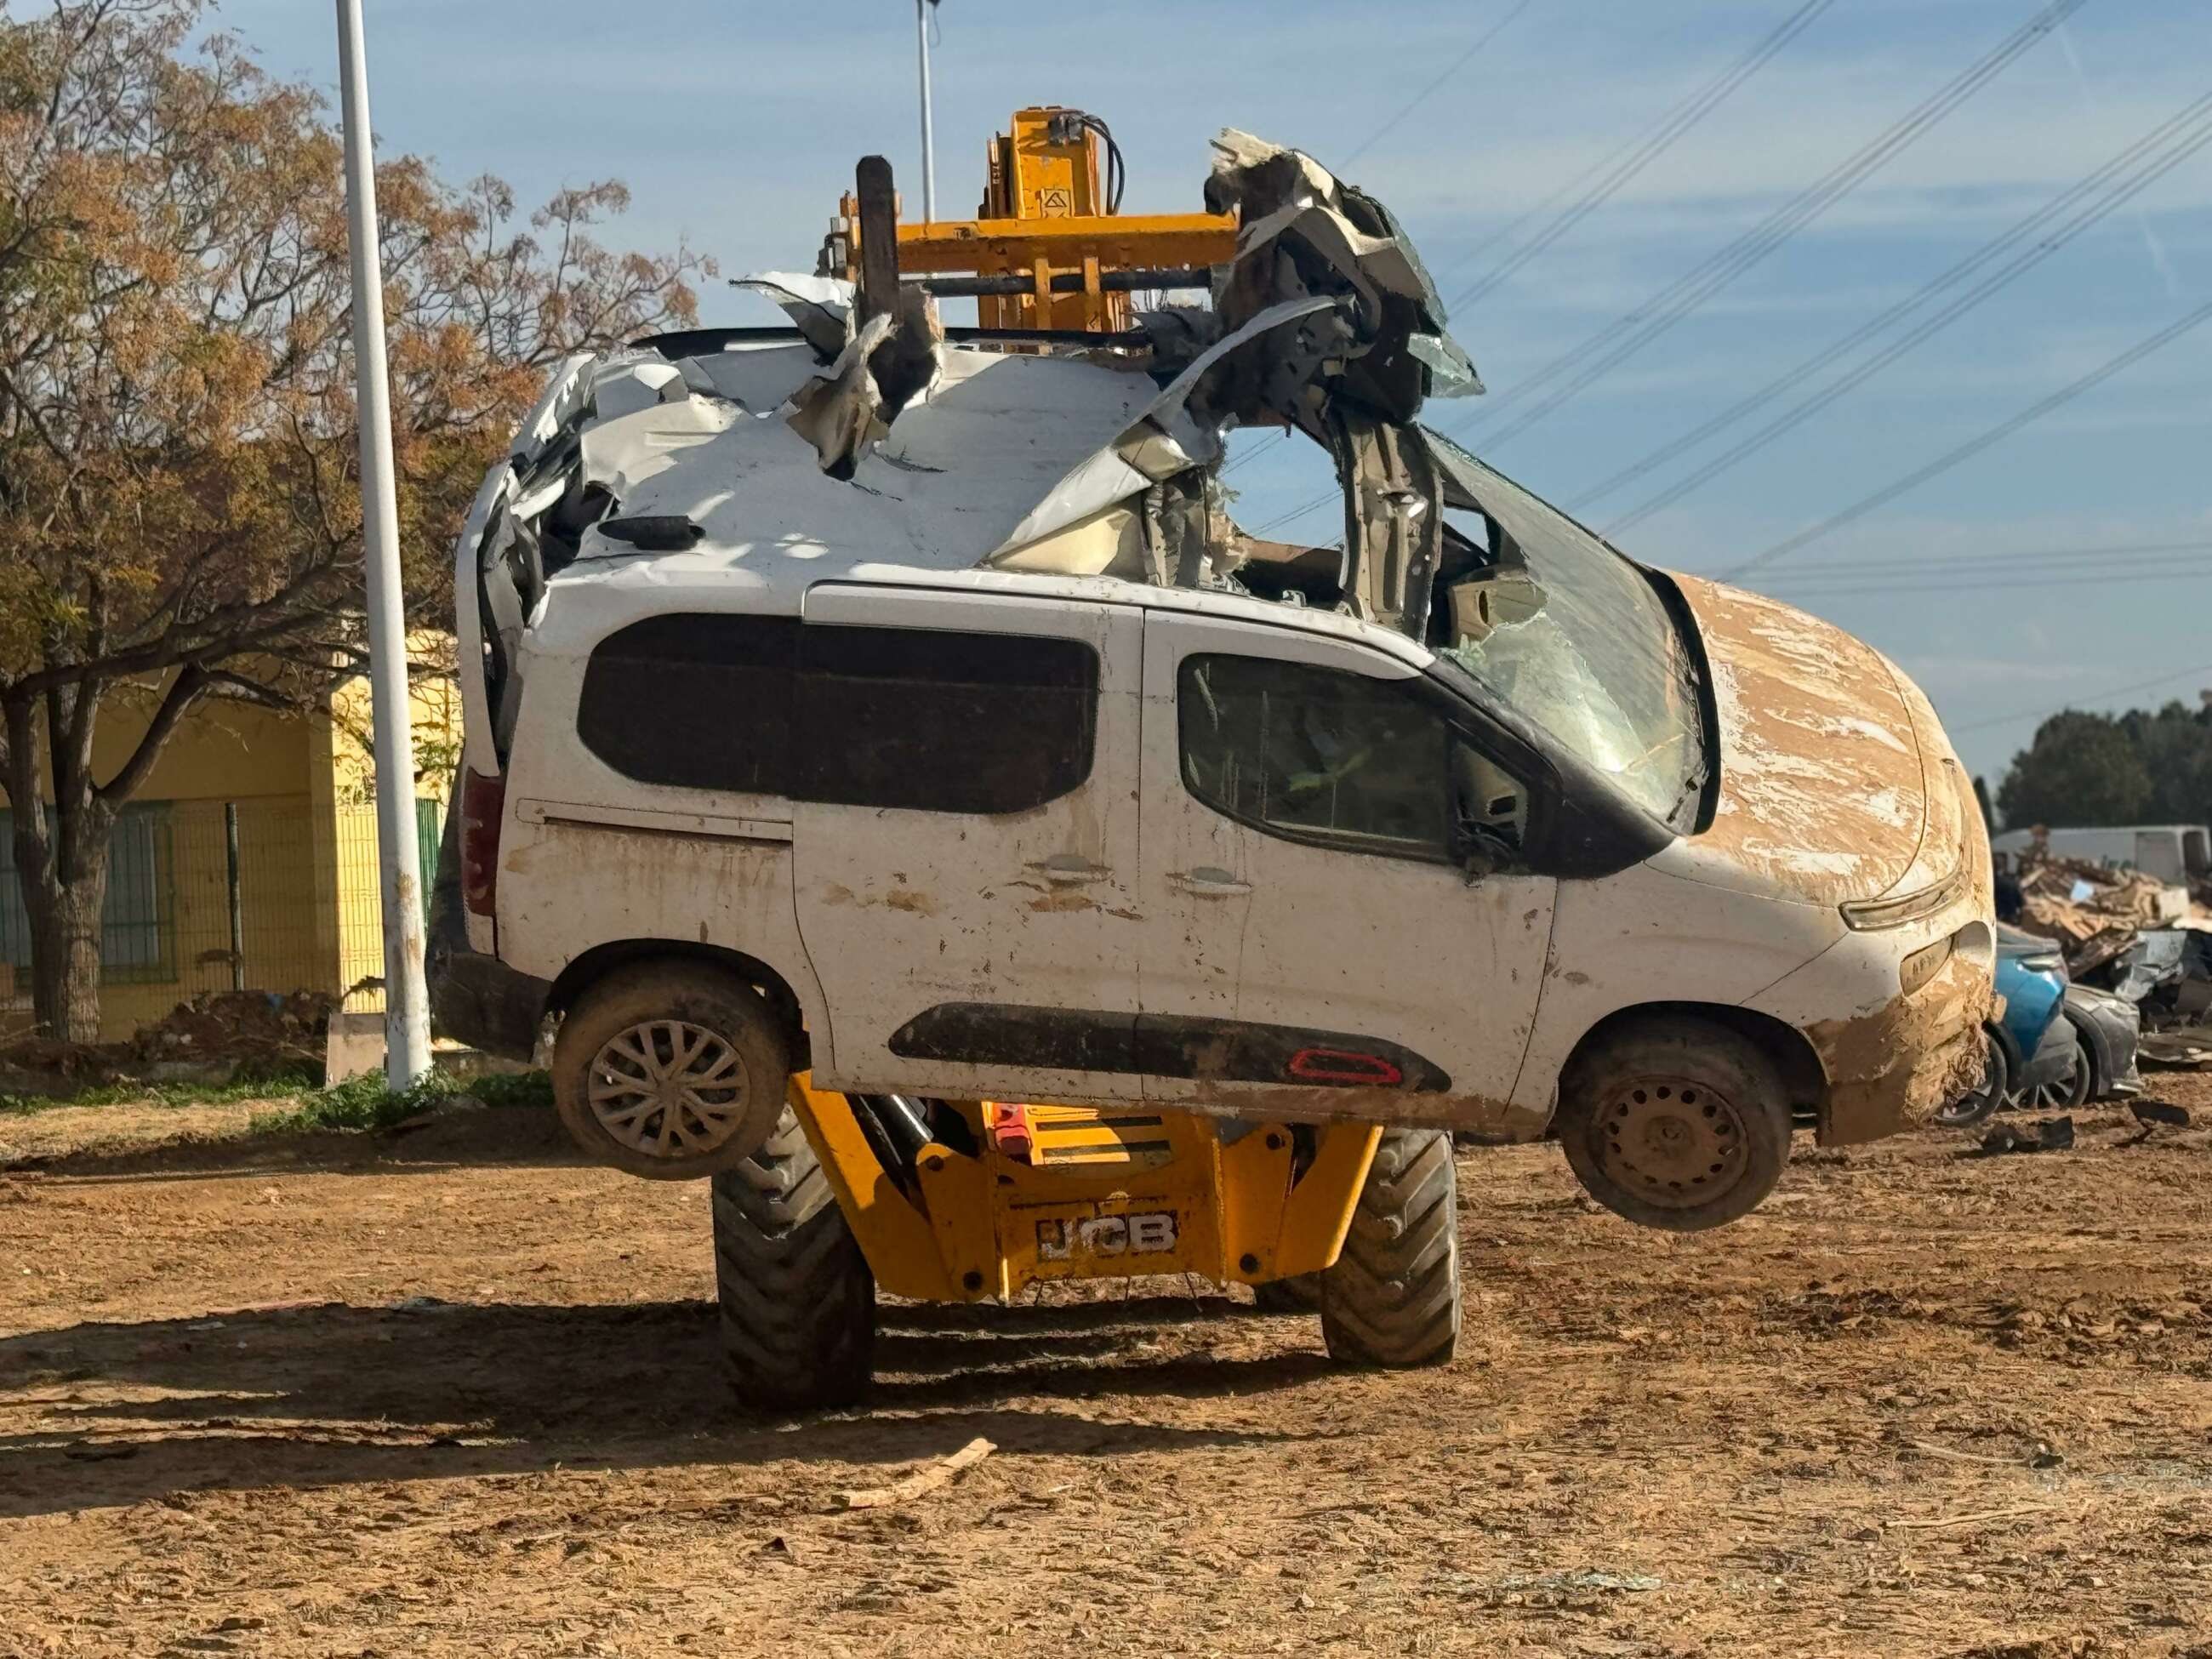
(138, 920)
(921, 719)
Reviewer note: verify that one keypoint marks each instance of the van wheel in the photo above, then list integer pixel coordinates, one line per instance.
(1681, 1124)
(671, 1070)
(797, 1301)
(1393, 1298)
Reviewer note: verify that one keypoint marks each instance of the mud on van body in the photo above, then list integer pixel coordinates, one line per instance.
(974, 735)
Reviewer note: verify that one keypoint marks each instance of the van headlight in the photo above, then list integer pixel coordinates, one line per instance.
(1867, 915)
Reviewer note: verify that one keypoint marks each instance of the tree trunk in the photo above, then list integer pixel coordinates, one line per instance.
(65, 941)
(61, 858)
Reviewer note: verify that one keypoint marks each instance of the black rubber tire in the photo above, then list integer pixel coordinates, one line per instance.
(1996, 1085)
(2081, 1087)
(1393, 1298)
(797, 1302)
(1301, 1295)
(1737, 1076)
(709, 998)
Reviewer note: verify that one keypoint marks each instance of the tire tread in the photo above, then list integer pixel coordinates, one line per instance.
(797, 1300)
(1393, 1299)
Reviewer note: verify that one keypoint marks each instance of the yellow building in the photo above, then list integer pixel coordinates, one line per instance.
(248, 860)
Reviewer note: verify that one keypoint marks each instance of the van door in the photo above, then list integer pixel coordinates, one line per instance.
(1314, 942)
(965, 823)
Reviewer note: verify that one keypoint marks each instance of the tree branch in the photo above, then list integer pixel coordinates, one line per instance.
(190, 684)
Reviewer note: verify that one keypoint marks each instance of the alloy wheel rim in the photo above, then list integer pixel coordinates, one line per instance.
(668, 1089)
(1671, 1141)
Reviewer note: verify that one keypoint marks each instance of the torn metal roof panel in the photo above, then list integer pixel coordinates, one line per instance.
(949, 482)
(876, 442)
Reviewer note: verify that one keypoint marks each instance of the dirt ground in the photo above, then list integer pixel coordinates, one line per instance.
(454, 1394)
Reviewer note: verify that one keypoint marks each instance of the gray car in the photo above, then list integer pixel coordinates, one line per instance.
(2105, 1029)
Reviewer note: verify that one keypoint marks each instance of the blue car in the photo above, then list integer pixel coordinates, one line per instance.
(2031, 1050)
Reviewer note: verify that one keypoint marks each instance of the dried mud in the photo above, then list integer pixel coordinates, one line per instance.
(452, 1394)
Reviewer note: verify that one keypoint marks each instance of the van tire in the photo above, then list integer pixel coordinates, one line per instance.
(1707, 1104)
(1393, 1298)
(626, 1024)
(797, 1302)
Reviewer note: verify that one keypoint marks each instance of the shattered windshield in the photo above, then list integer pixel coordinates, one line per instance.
(1569, 632)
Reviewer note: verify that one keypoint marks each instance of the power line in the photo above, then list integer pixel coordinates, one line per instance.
(1611, 159)
(1673, 127)
(1651, 318)
(1425, 93)
(2121, 178)
(2104, 695)
(1629, 334)
(1974, 446)
(1944, 563)
(1867, 331)
(1256, 451)
(1996, 583)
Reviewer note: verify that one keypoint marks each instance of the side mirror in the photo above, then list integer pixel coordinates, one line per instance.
(1480, 851)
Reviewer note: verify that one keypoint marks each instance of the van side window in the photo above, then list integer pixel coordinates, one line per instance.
(1339, 760)
(938, 721)
(887, 717)
(696, 699)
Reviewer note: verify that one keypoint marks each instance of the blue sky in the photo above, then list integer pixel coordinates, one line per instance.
(738, 124)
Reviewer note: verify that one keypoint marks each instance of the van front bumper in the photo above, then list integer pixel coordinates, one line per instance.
(1891, 1070)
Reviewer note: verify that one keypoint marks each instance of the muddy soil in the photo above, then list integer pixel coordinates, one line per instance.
(452, 1394)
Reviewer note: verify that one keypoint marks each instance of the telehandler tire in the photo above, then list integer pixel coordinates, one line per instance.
(797, 1301)
(1393, 1298)
(670, 1070)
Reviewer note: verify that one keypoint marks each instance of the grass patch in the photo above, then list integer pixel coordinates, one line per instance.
(367, 1102)
(510, 1088)
(258, 1085)
(361, 1103)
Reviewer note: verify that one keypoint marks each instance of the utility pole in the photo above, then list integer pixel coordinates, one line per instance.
(406, 1002)
(921, 10)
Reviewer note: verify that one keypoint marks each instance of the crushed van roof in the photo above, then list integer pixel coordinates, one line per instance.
(714, 456)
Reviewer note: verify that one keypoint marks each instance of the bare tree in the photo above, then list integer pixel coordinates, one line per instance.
(179, 510)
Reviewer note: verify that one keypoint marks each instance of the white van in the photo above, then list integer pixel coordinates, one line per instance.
(767, 769)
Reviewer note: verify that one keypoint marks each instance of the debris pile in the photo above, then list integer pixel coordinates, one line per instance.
(2095, 912)
(265, 1029)
(2126, 931)
(37, 1063)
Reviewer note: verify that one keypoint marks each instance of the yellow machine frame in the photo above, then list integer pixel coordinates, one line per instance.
(1043, 216)
(1080, 1194)
(1103, 1194)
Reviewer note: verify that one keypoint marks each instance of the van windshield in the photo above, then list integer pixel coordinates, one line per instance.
(1555, 622)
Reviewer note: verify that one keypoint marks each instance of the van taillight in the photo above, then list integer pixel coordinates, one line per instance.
(484, 803)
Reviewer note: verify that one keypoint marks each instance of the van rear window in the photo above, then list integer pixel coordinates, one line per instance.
(696, 701)
(924, 720)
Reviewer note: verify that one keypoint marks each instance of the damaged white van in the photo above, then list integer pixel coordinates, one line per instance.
(952, 741)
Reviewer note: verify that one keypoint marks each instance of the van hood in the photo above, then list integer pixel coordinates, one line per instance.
(1823, 793)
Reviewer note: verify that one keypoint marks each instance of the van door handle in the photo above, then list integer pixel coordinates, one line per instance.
(1207, 882)
(1069, 870)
